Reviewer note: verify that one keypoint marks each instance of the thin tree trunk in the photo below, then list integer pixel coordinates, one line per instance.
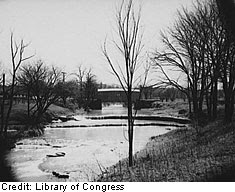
(3, 103)
(229, 107)
(215, 99)
(10, 105)
(130, 127)
(209, 101)
(28, 102)
(189, 105)
(195, 104)
(200, 104)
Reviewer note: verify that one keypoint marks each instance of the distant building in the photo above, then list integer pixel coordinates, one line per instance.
(116, 95)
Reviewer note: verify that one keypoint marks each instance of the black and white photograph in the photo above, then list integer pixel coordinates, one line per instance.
(117, 91)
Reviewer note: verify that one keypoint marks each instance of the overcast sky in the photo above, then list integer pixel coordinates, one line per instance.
(66, 33)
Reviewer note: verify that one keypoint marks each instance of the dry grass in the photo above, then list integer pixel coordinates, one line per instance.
(20, 126)
(19, 113)
(182, 155)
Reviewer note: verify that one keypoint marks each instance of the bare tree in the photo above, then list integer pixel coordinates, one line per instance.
(26, 82)
(226, 11)
(41, 82)
(212, 30)
(87, 86)
(227, 75)
(192, 52)
(202, 47)
(67, 89)
(90, 89)
(221, 53)
(2, 103)
(130, 46)
(81, 75)
(17, 58)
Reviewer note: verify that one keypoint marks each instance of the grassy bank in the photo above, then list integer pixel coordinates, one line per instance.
(182, 155)
(19, 124)
(19, 113)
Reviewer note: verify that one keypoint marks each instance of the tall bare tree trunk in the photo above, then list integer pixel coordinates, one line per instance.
(3, 103)
(11, 97)
(28, 102)
(130, 46)
(130, 127)
(209, 93)
(17, 52)
(229, 106)
(215, 99)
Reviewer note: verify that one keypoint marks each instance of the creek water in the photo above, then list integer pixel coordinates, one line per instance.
(87, 150)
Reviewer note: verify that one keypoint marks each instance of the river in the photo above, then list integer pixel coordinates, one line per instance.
(87, 149)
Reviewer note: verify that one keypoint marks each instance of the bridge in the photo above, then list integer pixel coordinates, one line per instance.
(116, 95)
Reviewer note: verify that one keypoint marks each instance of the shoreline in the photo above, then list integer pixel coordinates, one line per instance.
(50, 177)
(110, 151)
(115, 125)
(54, 114)
(181, 155)
(145, 117)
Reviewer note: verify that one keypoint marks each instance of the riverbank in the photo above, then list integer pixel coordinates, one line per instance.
(182, 155)
(30, 156)
(34, 159)
(18, 118)
(179, 155)
(18, 130)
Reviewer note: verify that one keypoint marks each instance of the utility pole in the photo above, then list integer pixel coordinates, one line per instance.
(63, 73)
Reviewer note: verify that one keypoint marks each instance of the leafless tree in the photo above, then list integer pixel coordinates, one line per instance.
(213, 32)
(226, 15)
(81, 75)
(87, 86)
(201, 46)
(90, 89)
(17, 58)
(221, 52)
(67, 89)
(193, 50)
(172, 59)
(130, 46)
(227, 75)
(40, 82)
(2, 102)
